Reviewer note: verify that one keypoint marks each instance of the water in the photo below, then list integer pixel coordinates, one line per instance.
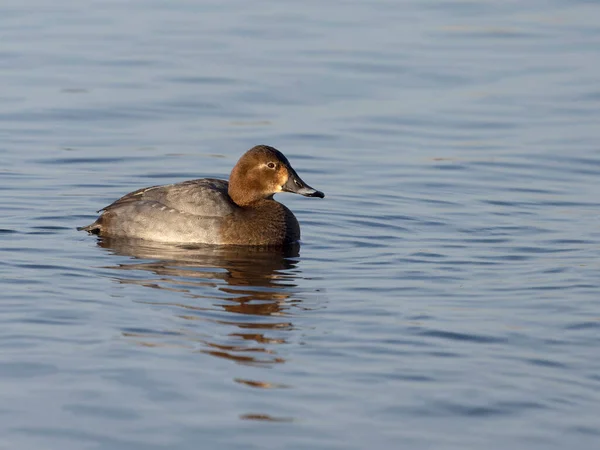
(446, 291)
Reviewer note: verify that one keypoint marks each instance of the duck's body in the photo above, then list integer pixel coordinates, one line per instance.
(210, 211)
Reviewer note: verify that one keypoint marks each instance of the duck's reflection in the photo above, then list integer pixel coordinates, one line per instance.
(246, 294)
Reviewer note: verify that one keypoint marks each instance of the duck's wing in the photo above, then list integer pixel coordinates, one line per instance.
(206, 197)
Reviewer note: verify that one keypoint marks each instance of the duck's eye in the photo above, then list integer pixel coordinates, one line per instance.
(271, 165)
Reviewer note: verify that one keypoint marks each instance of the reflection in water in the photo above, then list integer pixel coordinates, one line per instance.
(265, 417)
(243, 295)
(255, 287)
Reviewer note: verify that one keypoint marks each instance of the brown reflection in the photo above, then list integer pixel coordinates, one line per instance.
(254, 287)
(260, 384)
(265, 417)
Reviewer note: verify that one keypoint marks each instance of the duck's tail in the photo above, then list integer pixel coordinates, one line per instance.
(93, 228)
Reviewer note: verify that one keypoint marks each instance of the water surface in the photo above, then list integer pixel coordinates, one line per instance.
(445, 294)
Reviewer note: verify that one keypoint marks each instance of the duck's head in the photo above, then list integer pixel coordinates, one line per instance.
(262, 172)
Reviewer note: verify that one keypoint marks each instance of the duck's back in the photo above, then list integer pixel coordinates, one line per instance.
(191, 211)
(205, 197)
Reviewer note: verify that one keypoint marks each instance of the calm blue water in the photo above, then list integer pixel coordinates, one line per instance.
(445, 296)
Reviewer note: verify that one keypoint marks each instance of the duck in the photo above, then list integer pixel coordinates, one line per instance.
(212, 211)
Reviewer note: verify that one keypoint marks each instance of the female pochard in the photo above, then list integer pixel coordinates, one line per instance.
(211, 211)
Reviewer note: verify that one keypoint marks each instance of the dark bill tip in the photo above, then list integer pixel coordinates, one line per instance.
(310, 192)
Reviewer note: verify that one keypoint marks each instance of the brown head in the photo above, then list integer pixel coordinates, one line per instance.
(262, 172)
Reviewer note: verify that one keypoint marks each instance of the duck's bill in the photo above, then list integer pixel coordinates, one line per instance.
(297, 186)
